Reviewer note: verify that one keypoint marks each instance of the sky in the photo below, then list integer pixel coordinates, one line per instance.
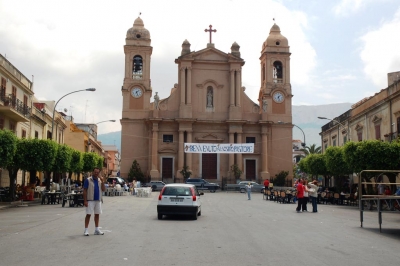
(341, 50)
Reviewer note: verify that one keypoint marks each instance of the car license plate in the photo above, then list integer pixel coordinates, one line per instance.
(176, 200)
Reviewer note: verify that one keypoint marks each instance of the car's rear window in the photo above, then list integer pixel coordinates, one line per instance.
(177, 191)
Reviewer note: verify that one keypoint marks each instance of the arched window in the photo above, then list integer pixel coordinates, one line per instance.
(210, 96)
(263, 72)
(137, 67)
(277, 73)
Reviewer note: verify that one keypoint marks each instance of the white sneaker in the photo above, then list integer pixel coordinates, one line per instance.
(86, 233)
(98, 232)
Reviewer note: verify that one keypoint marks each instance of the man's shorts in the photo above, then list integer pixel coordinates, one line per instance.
(93, 206)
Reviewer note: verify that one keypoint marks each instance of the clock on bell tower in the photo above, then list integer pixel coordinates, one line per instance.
(136, 89)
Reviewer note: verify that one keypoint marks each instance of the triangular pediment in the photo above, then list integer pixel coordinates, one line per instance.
(209, 138)
(210, 54)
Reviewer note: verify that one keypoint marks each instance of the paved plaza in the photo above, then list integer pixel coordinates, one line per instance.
(231, 231)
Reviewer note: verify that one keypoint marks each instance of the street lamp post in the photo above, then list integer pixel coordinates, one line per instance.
(113, 120)
(54, 109)
(321, 117)
(304, 135)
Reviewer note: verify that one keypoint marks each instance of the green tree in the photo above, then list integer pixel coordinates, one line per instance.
(100, 161)
(62, 161)
(185, 172)
(315, 165)
(37, 155)
(8, 147)
(336, 165)
(76, 163)
(89, 161)
(280, 178)
(235, 170)
(135, 172)
(373, 155)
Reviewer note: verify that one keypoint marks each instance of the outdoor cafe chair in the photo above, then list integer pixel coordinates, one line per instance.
(336, 198)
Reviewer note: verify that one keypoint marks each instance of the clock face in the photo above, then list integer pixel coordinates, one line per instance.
(137, 92)
(278, 97)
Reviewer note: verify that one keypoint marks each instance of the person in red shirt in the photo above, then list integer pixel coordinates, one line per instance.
(300, 195)
(266, 184)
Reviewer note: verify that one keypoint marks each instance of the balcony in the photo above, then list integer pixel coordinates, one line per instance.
(13, 108)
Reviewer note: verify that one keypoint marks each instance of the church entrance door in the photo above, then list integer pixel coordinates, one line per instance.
(251, 170)
(209, 166)
(167, 168)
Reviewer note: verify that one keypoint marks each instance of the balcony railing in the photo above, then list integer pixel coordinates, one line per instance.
(14, 103)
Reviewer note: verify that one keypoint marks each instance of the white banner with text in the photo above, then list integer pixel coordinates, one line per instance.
(219, 148)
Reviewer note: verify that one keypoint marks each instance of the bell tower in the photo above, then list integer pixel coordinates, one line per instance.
(275, 93)
(136, 89)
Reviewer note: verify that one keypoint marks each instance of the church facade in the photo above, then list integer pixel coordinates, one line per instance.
(207, 105)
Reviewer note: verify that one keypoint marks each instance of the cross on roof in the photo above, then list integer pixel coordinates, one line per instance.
(210, 30)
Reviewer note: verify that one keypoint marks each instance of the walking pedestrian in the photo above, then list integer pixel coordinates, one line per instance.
(92, 192)
(248, 188)
(313, 194)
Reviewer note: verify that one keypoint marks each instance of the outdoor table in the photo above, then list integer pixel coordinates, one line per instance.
(51, 197)
(74, 199)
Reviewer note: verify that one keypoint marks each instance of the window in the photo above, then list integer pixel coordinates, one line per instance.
(359, 136)
(277, 73)
(1, 123)
(36, 135)
(48, 135)
(251, 140)
(325, 146)
(14, 96)
(3, 89)
(23, 134)
(137, 67)
(263, 72)
(344, 140)
(168, 138)
(334, 142)
(12, 126)
(378, 131)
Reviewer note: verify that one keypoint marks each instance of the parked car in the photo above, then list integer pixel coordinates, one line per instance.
(155, 185)
(118, 180)
(202, 184)
(179, 199)
(256, 187)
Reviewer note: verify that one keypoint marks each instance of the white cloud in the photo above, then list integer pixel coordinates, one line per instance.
(347, 7)
(380, 51)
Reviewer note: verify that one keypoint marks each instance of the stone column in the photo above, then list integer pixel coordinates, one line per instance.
(232, 89)
(189, 85)
(154, 173)
(180, 153)
(231, 158)
(189, 155)
(264, 154)
(239, 155)
(183, 88)
(238, 87)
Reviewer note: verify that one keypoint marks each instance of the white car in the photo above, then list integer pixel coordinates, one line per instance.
(179, 199)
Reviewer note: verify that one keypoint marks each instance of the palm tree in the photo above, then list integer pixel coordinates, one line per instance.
(309, 150)
(313, 149)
